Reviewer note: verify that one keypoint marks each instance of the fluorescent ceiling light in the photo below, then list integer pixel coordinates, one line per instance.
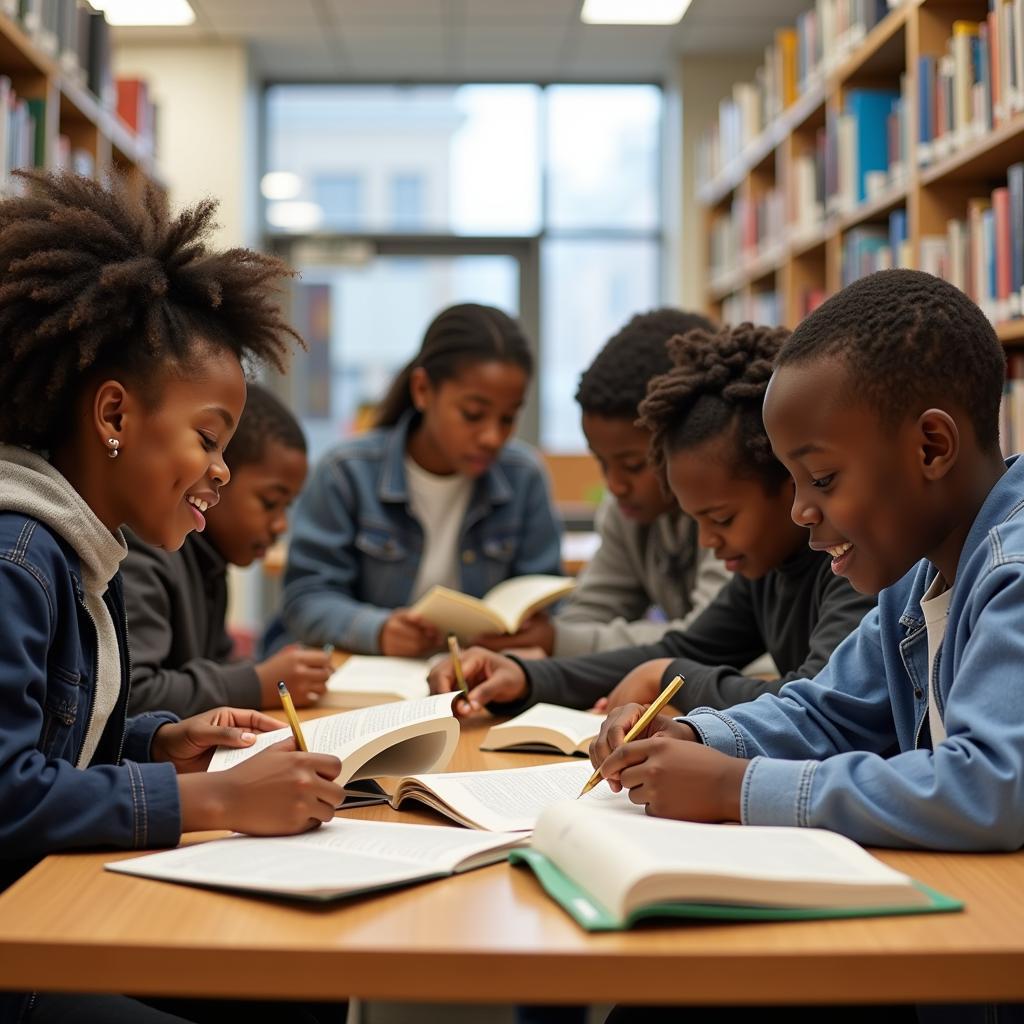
(633, 12)
(281, 185)
(146, 12)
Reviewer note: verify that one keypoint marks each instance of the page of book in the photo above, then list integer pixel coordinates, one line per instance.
(510, 799)
(365, 680)
(627, 864)
(388, 739)
(564, 728)
(343, 856)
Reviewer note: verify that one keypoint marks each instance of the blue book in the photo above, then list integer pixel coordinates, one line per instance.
(870, 108)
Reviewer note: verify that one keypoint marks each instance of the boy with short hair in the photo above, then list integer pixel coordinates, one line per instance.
(177, 600)
(884, 407)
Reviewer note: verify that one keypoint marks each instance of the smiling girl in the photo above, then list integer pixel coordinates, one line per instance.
(122, 338)
(437, 494)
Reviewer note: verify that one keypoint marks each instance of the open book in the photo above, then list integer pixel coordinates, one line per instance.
(543, 727)
(365, 680)
(609, 870)
(390, 739)
(503, 609)
(508, 799)
(341, 858)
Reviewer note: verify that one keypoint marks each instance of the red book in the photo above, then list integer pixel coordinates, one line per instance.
(1001, 213)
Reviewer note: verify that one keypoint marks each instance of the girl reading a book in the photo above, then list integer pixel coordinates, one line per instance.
(122, 336)
(709, 443)
(437, 494)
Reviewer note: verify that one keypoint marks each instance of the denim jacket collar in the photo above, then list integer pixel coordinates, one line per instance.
(1002, 501)
(493, 488)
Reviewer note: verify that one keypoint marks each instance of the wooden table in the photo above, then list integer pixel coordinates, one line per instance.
(492, 936)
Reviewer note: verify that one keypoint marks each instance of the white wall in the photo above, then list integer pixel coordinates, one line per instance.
(206, 134)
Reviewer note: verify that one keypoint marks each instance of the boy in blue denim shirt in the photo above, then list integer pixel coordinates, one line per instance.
(884, 406)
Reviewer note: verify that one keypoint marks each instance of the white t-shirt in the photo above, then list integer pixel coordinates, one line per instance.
(935, 606)
(439, 503)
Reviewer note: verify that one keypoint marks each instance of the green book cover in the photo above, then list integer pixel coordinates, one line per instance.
(593, 917)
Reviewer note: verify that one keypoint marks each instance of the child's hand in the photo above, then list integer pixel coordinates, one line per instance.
(536, 631)
(687, 781)
(641, 686)
(620, 721)
(278, 791)
(305, 671)
(190, 743)
(489, 676)
(408, 635)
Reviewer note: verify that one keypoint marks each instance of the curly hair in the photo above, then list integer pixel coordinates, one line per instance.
(264, 419)
(716, 386)
(102, 279)
(910, 341)
(616, 381)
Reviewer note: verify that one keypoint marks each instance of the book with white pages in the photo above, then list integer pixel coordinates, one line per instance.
(344, 857)
(366, 680)
(503, 609)
(388, 739)
(543, 728)
(507, 799)
(609, 871)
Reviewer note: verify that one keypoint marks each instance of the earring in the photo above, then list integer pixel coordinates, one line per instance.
(113, 444)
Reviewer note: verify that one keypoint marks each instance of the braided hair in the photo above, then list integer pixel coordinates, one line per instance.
(716, 386)
(100, 279)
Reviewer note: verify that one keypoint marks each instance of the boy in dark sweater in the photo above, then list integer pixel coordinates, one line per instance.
(177, 600)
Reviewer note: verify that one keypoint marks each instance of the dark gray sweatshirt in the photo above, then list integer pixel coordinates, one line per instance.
(177, 604)
(798, 613)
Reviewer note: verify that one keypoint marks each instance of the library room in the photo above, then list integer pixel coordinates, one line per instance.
(505, 509)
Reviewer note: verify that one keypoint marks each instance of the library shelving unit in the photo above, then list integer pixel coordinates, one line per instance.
(786, 265)
(71, 113)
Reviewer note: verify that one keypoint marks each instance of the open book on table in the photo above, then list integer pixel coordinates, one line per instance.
(608, 871)
(341, 858)
(503, 609)
(389, 739)
(545, 727)
(504, 800)
(365, 680)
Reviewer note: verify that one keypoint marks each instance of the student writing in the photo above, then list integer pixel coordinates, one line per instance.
(123, 335)
(177, 600)
(707, 436)
(437, 494)
(649, 556)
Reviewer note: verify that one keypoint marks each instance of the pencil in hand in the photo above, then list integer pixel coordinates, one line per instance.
(293, 719)
(639, 725)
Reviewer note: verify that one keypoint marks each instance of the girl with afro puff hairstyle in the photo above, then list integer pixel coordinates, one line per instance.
(709, 443)
(123, 337)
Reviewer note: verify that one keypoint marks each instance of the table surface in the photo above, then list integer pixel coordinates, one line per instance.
(492, 936)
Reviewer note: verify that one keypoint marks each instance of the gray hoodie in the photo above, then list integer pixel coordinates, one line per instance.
(31, 486)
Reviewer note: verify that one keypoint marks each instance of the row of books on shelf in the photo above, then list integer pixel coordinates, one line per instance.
(794, 64)
(983, 253)
(74, 34)
(975, 85)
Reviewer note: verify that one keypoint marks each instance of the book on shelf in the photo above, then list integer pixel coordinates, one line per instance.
(388, 739)
(503, 609)
(365, 680)
(506, 799)
(546, 728)
(344, 857)
(609, 871)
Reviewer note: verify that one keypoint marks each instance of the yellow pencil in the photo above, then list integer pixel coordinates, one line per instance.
(293, 719)
(453, 650)
(641, 723)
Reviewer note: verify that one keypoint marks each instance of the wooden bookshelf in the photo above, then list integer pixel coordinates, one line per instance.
(811, 259)
(72, 110)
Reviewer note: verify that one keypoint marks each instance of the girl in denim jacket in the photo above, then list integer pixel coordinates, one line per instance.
(436, 494)
(122, 337)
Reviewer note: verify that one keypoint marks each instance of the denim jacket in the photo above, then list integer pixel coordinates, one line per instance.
(849, 750)
(356, 546)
